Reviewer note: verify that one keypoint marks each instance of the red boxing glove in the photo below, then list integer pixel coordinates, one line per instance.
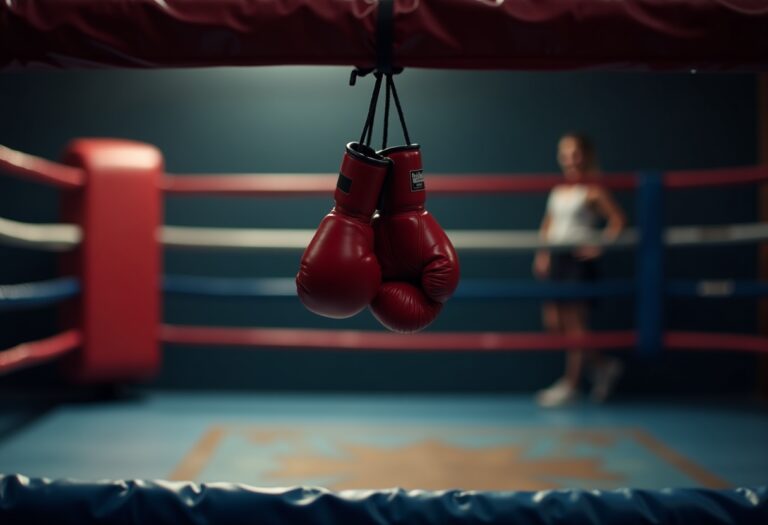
(419, 266)
(339, 274)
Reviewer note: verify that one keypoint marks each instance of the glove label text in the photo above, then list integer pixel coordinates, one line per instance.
(417, 180)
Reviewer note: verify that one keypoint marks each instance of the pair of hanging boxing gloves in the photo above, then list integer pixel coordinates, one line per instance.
(399, 261)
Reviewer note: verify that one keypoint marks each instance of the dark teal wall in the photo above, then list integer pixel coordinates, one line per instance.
(298, 120)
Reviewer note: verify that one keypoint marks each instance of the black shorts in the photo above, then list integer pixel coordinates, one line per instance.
(564, 266)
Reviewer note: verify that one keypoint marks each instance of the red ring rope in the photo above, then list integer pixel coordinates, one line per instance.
(363, 340)
(295, 184)
(63, 176)
(712, 341)
(310, 339)
(719, 177)
(320, 184)
(38, 169)
(37, 352)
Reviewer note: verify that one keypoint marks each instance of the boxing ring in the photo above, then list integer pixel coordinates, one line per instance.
(101, 362)
(89, 353)
(112, 283)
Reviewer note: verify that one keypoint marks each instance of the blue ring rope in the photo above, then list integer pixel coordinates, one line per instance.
(717, 288)
(38, 294)
(510, 289)
(471, 289)
(277, 287)
(45, 293)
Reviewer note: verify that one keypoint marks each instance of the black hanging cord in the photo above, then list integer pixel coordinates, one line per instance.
(359, 72)
(366, 135)
(385, 39)
(385, 30)
(391, 83)
(385, 36)
(386, 113)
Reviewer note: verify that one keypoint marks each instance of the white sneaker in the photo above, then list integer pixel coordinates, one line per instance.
(560, 394)
(604, 379)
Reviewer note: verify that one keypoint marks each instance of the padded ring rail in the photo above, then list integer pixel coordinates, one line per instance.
(448, 34)
(43, 501)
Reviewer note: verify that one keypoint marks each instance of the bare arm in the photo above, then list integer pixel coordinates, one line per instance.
(609, 209)
(544, 228)
(541, 261)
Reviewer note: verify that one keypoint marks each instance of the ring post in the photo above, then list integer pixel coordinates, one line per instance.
(119, 260)
(649, 310)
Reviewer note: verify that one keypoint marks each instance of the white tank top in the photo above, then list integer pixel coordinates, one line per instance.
(571, 218)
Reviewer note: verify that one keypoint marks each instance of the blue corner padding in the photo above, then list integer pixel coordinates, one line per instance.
(649, 257)
(32, 501)
(38, 294)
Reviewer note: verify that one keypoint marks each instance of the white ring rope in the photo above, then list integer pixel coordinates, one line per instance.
(465, 240)
(235, 239)
(722, 234)
(49, 237)
(62, 237)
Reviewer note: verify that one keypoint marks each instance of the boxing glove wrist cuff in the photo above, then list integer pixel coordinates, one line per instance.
(404, 189)
(361, 178)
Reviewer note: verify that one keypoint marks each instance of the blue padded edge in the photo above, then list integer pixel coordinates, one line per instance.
(60, 502)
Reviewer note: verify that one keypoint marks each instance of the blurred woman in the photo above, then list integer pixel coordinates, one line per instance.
(574, 210)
